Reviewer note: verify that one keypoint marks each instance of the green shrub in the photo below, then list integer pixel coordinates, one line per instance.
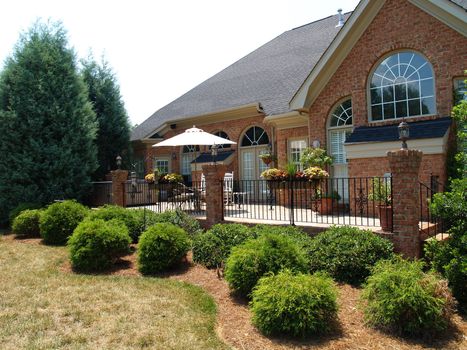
(256, 257)
(450, 257)
(95, 244)
(296, 305)
(212, 248)
(132, 219)
(179, 218)
(22, 206)
(27, 223)
(400, 297)
(59, 220)
(347, 253)
(161, 246)
(294, 232)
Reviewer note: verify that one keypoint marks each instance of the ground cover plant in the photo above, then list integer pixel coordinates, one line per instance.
(212, 248)
(255, 258)
(43, 307)
(59, 220)
(400, 297)
(95, 244)
(27, 223)
(162, 246)
(294, 304)
(347, 253)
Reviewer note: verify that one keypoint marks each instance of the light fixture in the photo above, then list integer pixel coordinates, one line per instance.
(404, 133)
(316, 144)
(174, 155)
(214, 152)
(119, 161)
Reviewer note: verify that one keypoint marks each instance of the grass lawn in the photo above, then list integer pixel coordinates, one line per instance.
(42, 307)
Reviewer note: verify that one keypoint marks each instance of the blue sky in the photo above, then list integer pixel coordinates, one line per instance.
(161, 49)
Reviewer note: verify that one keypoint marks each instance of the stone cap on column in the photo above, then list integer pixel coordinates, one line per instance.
(214, 170)
(119, 175)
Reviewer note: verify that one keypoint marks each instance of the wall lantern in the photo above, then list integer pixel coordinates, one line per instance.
(214, 152)
(174, 156)
(404, 133)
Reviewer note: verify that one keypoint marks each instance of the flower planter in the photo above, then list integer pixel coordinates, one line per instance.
(385, 217)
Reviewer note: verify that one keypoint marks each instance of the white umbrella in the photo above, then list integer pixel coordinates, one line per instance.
(195, 137)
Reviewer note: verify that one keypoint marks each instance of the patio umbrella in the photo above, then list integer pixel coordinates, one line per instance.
(195, 137)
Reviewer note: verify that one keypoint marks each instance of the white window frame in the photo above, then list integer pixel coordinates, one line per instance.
(290, 153)
(460, 86)
(368, 90)
(162, 159)
(343, 129)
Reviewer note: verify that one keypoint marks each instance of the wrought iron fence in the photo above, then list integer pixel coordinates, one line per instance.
(430, 225)
(160, 197)
(101, 194)
(341, 201)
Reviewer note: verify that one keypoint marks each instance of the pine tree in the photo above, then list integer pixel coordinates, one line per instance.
(113, 135)
(47, 133)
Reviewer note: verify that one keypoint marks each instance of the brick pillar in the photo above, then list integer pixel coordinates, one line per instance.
(118, 189)
(405, 166)
(214, 174)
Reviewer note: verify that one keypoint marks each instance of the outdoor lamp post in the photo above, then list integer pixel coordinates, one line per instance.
(119, 162)
(214, 152)
(404, 133)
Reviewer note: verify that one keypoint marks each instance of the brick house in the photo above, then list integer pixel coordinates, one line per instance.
(343, 82)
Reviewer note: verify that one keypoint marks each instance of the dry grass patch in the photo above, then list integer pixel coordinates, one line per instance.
(44, 308)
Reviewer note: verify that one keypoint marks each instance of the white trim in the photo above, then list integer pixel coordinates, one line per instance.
(380, 149)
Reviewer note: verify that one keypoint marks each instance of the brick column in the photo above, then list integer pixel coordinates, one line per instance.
(118, 189)
(405, 166)
(214, 174)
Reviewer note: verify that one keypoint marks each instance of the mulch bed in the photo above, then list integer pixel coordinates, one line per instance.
(235, 328)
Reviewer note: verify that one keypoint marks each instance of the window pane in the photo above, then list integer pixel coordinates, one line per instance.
(427, 87)
(413, 90)
(376, 96)
(428, 105)
(425, 72)
(401, 109)
(401, 92)
(389, 111)
(388, 94)
(377, 112)
(414, 107)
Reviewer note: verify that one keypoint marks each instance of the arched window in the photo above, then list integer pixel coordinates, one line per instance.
(255, 136)
(340, 126)
(224, 135)
(401, 86)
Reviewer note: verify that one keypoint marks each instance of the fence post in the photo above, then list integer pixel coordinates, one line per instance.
(214, 175)
(118, 186)
(405, 166)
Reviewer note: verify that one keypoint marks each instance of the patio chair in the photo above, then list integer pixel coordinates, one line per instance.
(228, 187)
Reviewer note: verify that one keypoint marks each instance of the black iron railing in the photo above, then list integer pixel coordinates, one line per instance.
(101, 194)
(430, 225)
(340, 201)
(160, 197)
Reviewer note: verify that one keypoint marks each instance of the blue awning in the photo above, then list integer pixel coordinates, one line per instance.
(426, 129)
(207, 157)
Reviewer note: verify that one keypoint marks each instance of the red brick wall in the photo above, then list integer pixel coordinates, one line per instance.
(282, 137)
(399, 25)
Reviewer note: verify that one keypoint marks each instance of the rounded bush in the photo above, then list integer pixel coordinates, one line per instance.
(212, 248)
(178, 218)
(161, 246)
(132, 219)
(294, 305)
(20, 207)
(401, 297)
(95, 244)
(27, 223)
(294, 232)
(59, 220)
(254, 258)
(347, 253)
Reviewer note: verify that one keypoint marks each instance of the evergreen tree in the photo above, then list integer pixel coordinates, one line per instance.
(113, 135)
(47, 133)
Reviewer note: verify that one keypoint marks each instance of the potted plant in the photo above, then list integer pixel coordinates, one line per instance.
(267, 157)
(275, 177)
(380, 192)
(328, 201)
(315, 157)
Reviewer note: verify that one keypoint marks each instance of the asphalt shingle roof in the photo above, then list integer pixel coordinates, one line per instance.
(270, 75)
(425, 129)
